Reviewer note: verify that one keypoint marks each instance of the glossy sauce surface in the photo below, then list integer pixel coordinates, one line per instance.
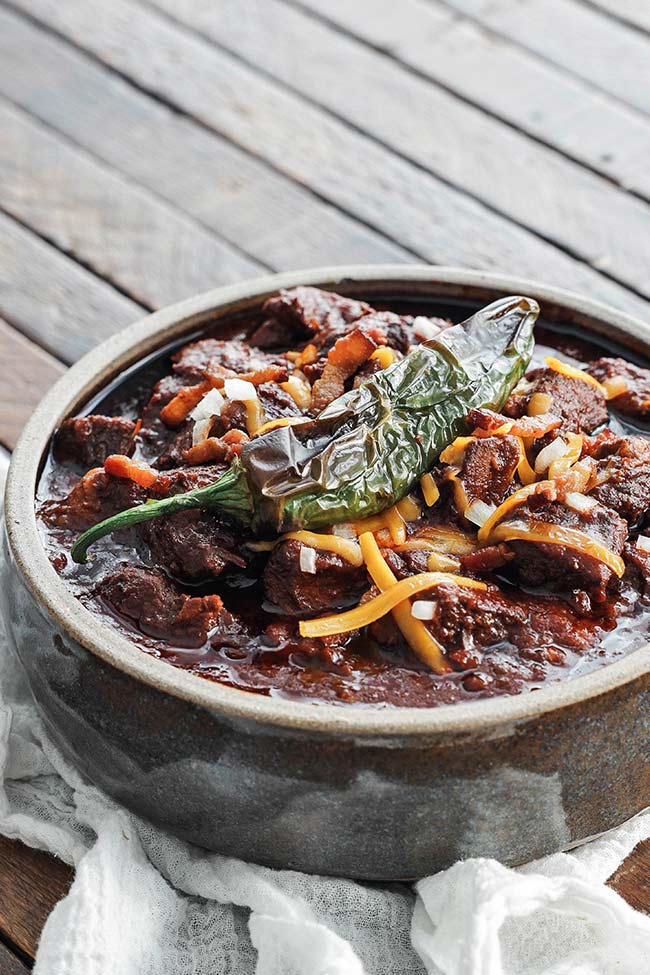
(363, 670)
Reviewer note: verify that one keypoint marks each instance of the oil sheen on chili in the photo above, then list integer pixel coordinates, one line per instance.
(529, 528)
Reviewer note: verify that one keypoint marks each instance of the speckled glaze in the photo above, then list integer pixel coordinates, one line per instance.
(380, 794)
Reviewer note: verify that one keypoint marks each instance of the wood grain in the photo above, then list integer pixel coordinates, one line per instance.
(632, 879)
(575, 37)
(122, 232)
(28, 372)
(9, 963)
(278, 222)
(54, 301)
(540, 189)
(505, 80)
(32, 883)
(395, 196)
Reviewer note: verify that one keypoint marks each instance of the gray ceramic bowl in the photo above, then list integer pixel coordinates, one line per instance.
(368, 793)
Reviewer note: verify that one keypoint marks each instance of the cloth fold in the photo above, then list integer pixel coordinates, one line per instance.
(145, 903)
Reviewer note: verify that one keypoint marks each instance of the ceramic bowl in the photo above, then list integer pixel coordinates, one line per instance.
(373, 793)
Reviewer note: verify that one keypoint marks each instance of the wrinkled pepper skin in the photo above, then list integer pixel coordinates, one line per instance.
(369, 447)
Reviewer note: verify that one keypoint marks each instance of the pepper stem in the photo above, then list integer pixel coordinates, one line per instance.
(230, 494)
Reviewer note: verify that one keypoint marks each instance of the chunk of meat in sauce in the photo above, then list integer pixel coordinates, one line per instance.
(623, 474)
(581, 405)
(88, 440)
(474, 619)
(335, 584)
(306, 312)
(96, 496)
(193, 545)
(637, 568)
(158, 443)
(230, 357)
(148, 599)
(489, 468)
(635, 401)
(503, 640)
(564, 568)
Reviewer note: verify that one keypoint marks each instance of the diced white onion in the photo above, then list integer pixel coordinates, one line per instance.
(201, 430)
(424, 328)
(579, 502)
(211, 405)
(308, 560)
(344, 530)
(423, 609)
(478, 512)
(553, 451)
(240, 389)
(643, 542)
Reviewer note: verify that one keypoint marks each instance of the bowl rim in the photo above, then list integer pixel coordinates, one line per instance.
(88, 375)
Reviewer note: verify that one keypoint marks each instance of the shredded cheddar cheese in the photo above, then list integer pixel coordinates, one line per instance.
(420, 640)
(437, 562)
(614, 386)
(430, 491)
(524, 470)
(486, 529)
(384, 356)
(254, 415)
(393, 598)
(409, 509)
(572, 372)
(299, 390)
(283, 421)
(454, 454)
(451, 541)
(346, 548)
(560, 535)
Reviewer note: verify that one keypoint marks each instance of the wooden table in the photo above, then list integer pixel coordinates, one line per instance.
(151, 150)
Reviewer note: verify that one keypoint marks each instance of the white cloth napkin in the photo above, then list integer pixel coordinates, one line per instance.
(144, 903)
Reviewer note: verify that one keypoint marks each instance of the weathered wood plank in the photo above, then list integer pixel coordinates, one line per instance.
(635, 12)
(434, 220)
(54, 301)
(10, 964)
(632, 879)
(264, 213)
(537, 187)
(608, 54)
(27, 373)
(505, 79)
(122, 232)
(32, 882)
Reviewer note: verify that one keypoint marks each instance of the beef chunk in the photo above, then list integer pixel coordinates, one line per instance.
(489, 467)
(335, 584)
(637, 569)
(581, 406)
(562, 568)
(635, 401)
(159, 444)
(96, 496)
(474, 619)
(303, 312)
(89, 440)
(159, 609)
(276, 402)
(192, 545)
(231, 357)
(623, 475)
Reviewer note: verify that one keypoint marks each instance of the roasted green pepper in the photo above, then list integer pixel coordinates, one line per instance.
(369, 447)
